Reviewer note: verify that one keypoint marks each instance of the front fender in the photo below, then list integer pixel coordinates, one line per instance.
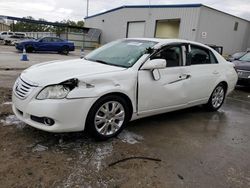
(97, 88)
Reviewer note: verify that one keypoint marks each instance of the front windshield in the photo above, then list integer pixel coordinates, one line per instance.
(245, 57)
(123, 53)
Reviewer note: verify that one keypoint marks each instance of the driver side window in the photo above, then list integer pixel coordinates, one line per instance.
(172, 54)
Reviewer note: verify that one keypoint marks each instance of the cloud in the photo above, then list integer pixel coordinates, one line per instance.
(57, 10)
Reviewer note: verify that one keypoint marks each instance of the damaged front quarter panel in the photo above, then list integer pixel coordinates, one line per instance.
(92, 88)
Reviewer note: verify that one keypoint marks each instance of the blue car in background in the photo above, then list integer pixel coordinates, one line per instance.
(52, 44)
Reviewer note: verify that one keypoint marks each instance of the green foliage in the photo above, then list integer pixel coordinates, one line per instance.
(31, 27)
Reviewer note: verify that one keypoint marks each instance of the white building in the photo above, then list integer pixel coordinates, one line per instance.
(194, 22)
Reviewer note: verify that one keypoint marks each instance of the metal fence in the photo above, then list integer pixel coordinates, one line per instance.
(91, 39)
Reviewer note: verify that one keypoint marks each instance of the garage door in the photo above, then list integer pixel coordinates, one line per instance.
(167, 28)
(135, 29)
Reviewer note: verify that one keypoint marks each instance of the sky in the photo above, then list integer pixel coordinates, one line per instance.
(57, 10)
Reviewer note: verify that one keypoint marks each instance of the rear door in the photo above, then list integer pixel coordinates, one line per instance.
(45, 44)
(203, 68)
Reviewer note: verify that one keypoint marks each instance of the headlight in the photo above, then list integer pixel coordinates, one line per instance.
(54, 92)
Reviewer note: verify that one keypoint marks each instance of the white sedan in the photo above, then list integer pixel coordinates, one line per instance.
(122, 81)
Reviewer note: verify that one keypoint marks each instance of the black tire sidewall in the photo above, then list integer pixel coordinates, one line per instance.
(29, 49)
(65, 50)
(90, 127)
(209, 105)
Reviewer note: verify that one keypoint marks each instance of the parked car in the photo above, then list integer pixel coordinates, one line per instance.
(242, 66)
(12, 40)
(236, 56)
(6, 34)
(20, 34)
(121, 81)
(54, 44)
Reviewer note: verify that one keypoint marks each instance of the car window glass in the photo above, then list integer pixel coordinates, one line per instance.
(56, 40)
(245, 57)
(171, 54)
(47, 39)
(198, 55)
(238, 55)
(124, 53)
(4, 33)
(213, 58)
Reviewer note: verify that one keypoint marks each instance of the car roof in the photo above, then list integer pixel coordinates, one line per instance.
(162, 42)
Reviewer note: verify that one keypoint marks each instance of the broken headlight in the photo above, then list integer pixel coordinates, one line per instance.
(53, 92)
(58, 91)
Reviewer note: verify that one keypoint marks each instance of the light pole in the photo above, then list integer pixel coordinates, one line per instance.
(87, 8)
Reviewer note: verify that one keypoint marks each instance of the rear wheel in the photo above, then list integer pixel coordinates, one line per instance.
(217, 98)
(107, 117)
(65, 50)
(29, 49)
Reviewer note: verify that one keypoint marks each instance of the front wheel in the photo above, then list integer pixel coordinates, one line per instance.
(217, 98)
(107, 117)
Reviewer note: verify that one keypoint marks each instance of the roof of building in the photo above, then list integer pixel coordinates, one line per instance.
(146, 6)
(162, 6)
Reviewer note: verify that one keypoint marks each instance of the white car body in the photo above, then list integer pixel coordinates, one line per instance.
(6, 34)
(147, 95)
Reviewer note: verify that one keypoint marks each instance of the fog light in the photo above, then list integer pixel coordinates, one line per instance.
(48, 121)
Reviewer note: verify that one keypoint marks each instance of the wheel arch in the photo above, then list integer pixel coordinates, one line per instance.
(225, 84)
(122, 95)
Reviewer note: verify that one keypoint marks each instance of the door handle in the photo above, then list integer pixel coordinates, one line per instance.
(215, 72)
(184, 76)
(181, 77)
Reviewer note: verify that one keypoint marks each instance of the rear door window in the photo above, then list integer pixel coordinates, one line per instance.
(199, 55)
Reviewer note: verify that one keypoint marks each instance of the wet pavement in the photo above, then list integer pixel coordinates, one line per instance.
(187, 148)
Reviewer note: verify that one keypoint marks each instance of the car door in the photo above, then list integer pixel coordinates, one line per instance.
(167, 92)
(44, 44)
(203, 68)
(57, 44)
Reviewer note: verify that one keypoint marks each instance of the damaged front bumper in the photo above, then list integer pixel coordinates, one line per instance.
(52, 115)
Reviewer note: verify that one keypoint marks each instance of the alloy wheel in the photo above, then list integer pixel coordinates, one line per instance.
(109, 118)
(218, 96)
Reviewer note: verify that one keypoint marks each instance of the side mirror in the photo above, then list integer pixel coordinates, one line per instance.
(154, 64)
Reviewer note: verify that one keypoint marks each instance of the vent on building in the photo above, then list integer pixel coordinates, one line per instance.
(236, 24)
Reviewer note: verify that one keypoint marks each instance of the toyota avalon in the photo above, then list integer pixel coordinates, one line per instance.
(119, 82)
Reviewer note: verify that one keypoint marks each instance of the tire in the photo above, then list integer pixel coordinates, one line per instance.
(65, 50)
(217, 98)
(103, 123)
(29, 49)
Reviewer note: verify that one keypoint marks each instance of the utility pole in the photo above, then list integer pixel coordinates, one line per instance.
(87, 8)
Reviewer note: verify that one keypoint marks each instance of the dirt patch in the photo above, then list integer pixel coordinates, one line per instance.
(33, 158)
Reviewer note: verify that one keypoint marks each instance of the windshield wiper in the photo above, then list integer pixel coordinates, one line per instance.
(101, 61)
(106, 63)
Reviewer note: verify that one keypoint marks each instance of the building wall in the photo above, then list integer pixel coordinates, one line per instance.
(219, 29)
(114, 24)
(4, 27)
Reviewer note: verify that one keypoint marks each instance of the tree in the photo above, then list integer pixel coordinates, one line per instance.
(23, 26)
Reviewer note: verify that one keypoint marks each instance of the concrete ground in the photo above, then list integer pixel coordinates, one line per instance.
(190, 148)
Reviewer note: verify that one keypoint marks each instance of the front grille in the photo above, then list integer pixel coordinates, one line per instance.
(243, 74)
(22, 88)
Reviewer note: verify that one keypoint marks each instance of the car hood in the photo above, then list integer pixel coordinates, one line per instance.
(243, 65)
(58, 71)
